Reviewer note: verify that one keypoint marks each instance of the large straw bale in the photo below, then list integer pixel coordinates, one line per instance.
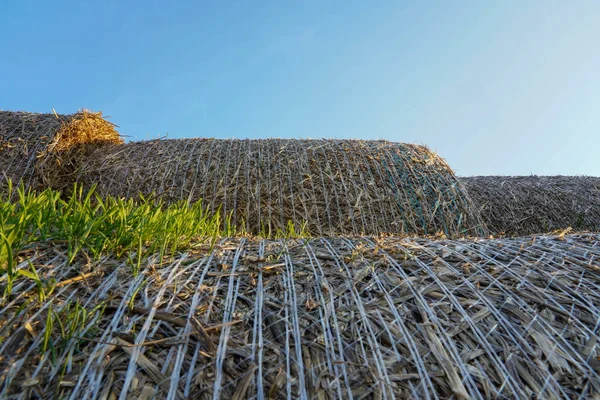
(327, 318)
(346, 187)
(522, 205)
(41, 149)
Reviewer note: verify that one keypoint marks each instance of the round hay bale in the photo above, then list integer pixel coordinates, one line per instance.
(524, 205)
(334, 187)
(323, 318)
(40, 149)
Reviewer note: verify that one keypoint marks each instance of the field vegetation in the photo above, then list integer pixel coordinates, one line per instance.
(91, 226)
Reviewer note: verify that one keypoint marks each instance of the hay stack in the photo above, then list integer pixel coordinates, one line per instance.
(42, 149)
(346, 187)
(313, 319)
(523, 205)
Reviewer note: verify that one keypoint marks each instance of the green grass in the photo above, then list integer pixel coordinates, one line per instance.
(87, 224)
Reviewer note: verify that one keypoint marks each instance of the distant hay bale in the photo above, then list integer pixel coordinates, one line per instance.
(522, 205)
(346, 187)
(41, 148)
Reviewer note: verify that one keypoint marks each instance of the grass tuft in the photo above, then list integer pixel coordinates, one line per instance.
(91, 226)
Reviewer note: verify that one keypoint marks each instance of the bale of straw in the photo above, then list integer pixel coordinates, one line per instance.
(523, 205)
(327, 318)
(42, 149)
(346, 187)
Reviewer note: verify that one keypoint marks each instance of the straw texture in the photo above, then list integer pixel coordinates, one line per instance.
(523, 205)
(336, 187)
(325, 318)
(39, 149)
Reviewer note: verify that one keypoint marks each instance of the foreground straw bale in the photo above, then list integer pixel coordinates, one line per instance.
(40, 149)
(323, 318)
(523, 205)
(346, 187)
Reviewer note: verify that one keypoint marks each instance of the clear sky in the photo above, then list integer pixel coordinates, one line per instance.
(495, 87)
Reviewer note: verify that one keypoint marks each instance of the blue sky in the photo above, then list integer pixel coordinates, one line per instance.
(504, 87)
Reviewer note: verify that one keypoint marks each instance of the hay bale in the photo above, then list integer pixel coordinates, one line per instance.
(523, 205)
(313, 319)
(41, 149)
(347, 187)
